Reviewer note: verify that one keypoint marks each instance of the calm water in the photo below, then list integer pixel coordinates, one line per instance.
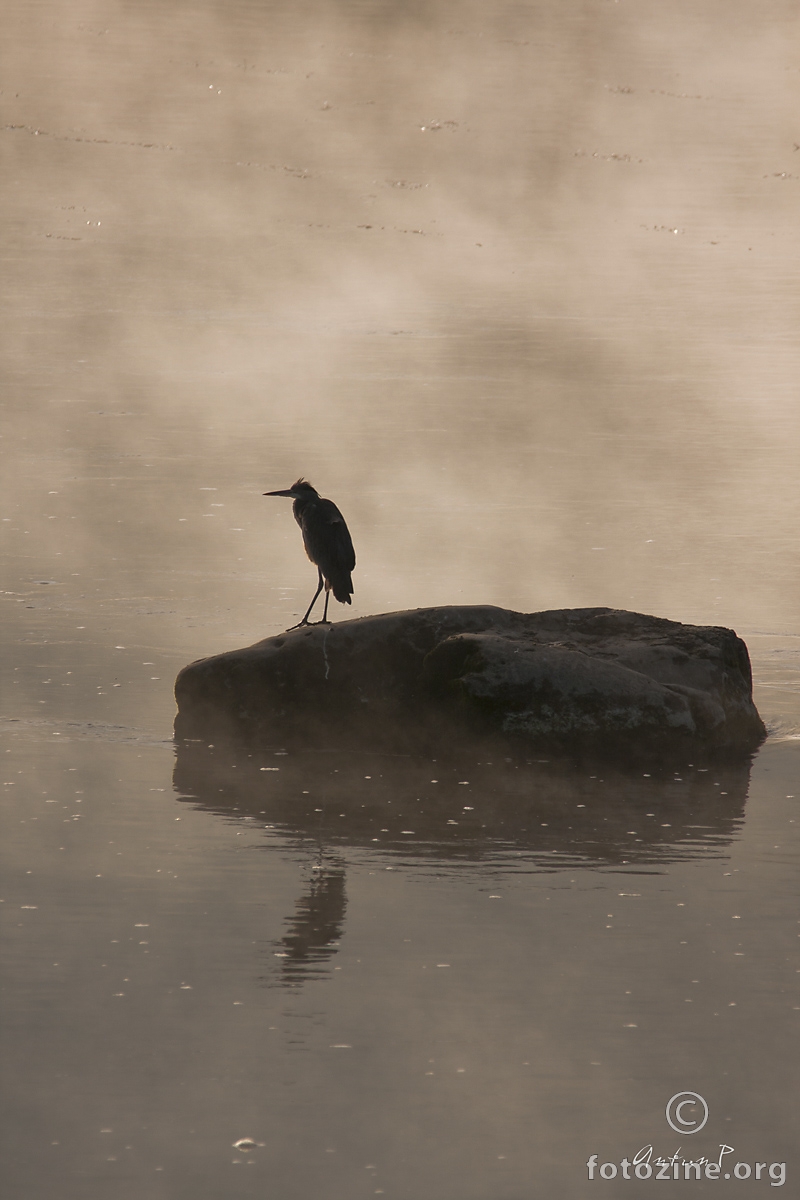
(516, 286)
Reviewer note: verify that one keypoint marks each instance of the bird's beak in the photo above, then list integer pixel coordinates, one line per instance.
(286, 492)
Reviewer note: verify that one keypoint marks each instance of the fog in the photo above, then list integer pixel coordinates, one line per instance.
(509, 282)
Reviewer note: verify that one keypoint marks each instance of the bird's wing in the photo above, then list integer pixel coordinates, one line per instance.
(327, 539)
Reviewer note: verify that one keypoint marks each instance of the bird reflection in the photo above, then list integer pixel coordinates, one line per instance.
(313, 934)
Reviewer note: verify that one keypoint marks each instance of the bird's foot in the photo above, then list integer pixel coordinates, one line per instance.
(300, 624)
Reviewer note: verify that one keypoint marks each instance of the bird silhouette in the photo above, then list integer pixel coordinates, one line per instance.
(327, 541)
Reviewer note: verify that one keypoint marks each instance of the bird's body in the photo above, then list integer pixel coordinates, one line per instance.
(327, 542)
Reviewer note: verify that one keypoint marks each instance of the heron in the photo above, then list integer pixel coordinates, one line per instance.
(327, 542)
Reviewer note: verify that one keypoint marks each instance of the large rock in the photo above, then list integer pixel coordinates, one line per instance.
(594, 679)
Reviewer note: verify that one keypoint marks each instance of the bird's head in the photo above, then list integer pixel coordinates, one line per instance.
(298, 491)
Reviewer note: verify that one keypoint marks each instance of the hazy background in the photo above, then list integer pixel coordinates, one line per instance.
(515, 284)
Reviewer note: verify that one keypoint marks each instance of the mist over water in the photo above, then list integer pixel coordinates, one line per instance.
(515, 286)
(523, 270)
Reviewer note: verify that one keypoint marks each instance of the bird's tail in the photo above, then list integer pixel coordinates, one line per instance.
(342, 587)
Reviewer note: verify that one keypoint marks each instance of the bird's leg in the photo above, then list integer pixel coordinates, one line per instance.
(305, 620)
(324, 620)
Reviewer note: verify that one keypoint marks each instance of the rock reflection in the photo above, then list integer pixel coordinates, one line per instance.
(470, 809)
(464, 811)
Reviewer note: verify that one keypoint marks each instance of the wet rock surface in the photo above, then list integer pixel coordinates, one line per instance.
(597, 680)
